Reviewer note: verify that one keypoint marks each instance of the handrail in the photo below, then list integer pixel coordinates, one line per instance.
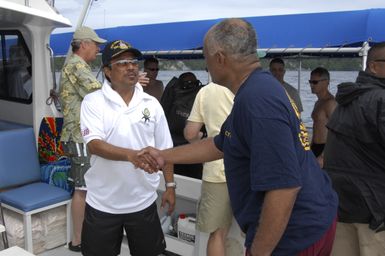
(287, 50)
(53, 95)
(52, 62)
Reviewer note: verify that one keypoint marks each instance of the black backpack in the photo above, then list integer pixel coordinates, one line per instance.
(177, 101)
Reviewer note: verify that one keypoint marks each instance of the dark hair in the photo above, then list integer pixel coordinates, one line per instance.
(374, 51)
(188, 84)
(277, 61)
(185, 74)
(150, 60)
(322, 72)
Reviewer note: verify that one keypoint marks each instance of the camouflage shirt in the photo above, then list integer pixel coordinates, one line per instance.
(76, 82)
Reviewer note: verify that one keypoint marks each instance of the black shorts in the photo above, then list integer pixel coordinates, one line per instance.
(102, 232)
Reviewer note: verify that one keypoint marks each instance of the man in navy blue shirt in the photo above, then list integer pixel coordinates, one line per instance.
(280, 197)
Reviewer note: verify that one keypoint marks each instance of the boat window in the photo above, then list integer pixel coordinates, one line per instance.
(15, 68)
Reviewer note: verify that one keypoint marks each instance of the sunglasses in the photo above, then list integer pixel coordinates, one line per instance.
(125, 63)
(315, 82)
(153, 69)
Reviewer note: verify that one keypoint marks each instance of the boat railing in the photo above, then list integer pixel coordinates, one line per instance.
(288, 50)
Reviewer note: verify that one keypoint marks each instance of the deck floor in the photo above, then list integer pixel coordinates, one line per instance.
(63, 251)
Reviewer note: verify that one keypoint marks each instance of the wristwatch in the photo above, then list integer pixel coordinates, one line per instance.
(170, 185)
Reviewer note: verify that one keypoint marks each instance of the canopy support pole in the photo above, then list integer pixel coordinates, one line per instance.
(299, 73)
(364, 54)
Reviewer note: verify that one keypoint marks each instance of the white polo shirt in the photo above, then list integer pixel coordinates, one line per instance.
(116, 186)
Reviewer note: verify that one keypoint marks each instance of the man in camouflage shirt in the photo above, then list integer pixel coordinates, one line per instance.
(77, 81)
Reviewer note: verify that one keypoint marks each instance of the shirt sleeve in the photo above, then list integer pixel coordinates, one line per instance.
(273, 159)
(219, 139)
(266, 127)
(196, 111)
(91, 120)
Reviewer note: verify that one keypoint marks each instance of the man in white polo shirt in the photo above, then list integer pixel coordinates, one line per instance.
(116, 122)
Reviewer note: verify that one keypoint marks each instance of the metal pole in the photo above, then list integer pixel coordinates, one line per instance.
(86, 7)
(299, 74)
(364, 54)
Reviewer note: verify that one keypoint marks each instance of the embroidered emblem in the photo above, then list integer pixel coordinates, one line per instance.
(120, 45)
(146, 115)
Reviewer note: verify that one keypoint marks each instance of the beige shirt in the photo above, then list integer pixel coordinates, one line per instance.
(212, 105)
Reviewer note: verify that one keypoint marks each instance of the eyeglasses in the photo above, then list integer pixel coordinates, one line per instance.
(315, 82)
(125, 63)
(153, 69)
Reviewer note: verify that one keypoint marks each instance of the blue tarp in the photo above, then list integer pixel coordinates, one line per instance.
(314, 30)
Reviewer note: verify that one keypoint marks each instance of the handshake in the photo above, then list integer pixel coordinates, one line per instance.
(152, 160)
(149, 159)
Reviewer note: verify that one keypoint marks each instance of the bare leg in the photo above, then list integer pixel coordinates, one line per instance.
(78, 207)
(216, 243)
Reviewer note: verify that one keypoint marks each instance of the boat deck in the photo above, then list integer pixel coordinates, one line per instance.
(63, 251)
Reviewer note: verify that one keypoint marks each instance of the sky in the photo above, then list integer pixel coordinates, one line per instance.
(112, 13)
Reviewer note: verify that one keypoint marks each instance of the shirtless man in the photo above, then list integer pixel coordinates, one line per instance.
(323, 108)
(154, 87)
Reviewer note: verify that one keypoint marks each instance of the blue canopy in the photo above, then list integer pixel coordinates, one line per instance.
(313, 30)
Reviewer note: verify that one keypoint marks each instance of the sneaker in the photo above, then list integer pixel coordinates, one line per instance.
(74, 248)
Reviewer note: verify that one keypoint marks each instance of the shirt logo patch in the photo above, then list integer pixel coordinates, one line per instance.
(146, 115)
(85, 132)
(304, 137)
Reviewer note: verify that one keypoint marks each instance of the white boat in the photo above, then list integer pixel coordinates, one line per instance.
(29, 24)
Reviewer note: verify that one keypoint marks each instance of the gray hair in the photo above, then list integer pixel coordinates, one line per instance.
(75, 44)
(234, 36)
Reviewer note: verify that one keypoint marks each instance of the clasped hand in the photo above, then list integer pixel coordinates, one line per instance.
(149, 159)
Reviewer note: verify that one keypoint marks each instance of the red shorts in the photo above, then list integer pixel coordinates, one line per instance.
(322, 247)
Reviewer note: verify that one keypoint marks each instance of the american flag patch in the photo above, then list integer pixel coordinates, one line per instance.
(85, 132)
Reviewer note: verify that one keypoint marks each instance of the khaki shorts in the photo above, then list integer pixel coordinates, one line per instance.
(214, 209)
(356, 239)
(80, 163)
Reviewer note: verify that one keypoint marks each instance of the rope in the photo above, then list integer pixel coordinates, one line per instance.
(53, 98)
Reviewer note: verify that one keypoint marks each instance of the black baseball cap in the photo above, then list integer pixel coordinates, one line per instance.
(115, 48)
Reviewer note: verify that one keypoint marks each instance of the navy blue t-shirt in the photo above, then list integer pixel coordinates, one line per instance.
(266, 147)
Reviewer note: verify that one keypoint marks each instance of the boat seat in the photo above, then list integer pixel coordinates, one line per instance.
(25, 193)
(6, 125)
